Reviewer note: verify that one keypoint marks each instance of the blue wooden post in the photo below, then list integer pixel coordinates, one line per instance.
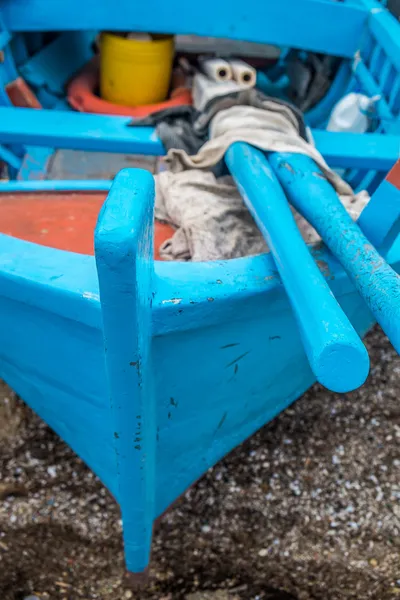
(380, 219)
(8, 72)
(335, 352)
(314, 197)
(124, 258)
(55, 185)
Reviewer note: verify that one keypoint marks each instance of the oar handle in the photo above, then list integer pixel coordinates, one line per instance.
(335, 352)
(313, 196)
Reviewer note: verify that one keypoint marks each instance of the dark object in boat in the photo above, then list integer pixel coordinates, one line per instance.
(394, 7)
(185, 128)
(310, 77)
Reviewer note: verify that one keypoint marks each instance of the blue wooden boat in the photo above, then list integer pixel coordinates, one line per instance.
(153, 371)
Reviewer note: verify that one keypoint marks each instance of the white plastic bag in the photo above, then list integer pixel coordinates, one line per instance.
(352, 113)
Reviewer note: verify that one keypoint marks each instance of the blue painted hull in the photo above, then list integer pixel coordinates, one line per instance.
(223, 368)
(153, 372)
(224, 356)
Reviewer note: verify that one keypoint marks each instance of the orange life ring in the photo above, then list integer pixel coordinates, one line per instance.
(81, 95)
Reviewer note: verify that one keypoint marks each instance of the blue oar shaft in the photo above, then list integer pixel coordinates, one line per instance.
(334, 350)
(314, 197)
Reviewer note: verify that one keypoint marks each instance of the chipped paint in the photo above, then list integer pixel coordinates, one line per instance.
(222, 420)
(236, 360)
(324, 268)
(172, 301)
(286, 165)
(91, 296)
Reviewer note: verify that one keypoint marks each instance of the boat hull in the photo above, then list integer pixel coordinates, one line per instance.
(205, 354)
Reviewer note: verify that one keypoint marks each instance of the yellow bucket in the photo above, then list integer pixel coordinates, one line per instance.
(135, 72)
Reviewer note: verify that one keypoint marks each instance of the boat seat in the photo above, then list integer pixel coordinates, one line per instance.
(326, 26)
(77, 131)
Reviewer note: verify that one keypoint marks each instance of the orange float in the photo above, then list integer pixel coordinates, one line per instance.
(81, 94)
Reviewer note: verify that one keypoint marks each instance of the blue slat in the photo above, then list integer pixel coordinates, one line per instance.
(358, 150)
(319, 25)
(56, 62)
(5, 38)
(55, 185)
(35, 163)
(10, 158)
(62, 129)
(385, 29)
(76, 131)
(371, 88)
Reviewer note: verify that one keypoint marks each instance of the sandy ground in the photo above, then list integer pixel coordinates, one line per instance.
(308, 508)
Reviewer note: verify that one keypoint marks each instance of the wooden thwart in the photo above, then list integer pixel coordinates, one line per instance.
(282, 23)
(77, 131)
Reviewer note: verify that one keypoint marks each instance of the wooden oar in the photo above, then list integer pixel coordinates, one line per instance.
(313, 196)
(335, 352)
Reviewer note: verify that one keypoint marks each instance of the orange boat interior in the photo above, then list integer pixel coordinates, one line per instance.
(63, 220)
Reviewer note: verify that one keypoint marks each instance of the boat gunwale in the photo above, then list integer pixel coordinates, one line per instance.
(186, 295)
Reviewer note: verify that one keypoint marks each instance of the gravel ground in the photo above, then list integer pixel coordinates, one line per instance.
(308, 508)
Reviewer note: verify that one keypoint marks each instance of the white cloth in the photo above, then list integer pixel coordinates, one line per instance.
(211, 219)
(273, 128)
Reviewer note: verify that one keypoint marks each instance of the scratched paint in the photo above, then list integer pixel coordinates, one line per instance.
(237, 359)
(324, 268)
(91, 296)
(172, 301)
